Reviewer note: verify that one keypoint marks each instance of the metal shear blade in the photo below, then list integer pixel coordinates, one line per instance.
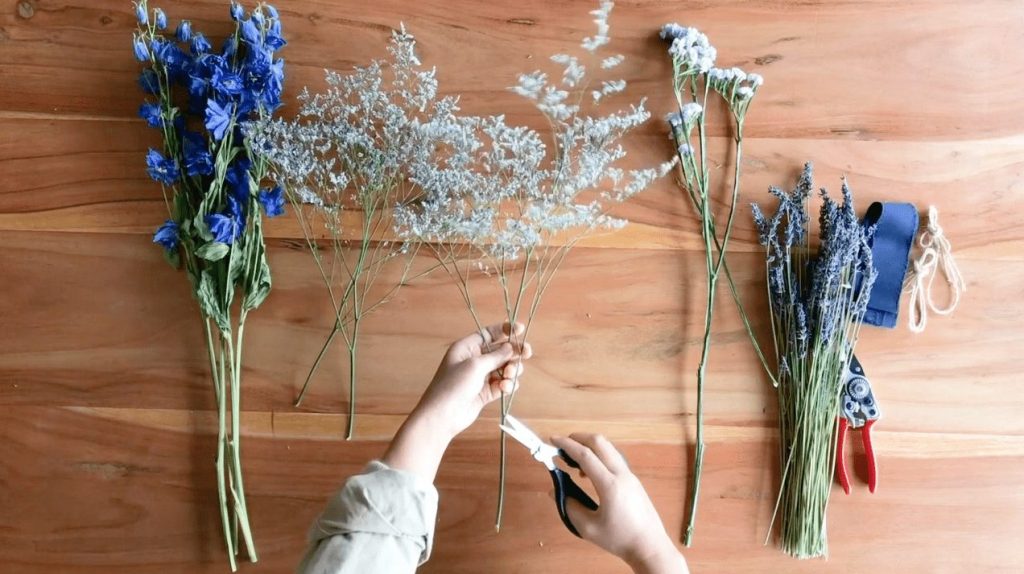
(540, 450)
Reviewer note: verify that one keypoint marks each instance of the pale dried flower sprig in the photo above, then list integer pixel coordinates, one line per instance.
(353, 148)
(501, 201)
(694, 78)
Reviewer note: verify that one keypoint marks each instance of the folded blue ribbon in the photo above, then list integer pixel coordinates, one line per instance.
(896, 226)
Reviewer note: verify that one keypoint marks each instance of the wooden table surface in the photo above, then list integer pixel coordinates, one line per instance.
(106, 456)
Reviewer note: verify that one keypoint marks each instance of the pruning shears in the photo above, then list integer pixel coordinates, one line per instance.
(859, 411)
(545, 453)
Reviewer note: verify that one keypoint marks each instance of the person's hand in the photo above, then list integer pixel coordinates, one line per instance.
(626, 524)
(475, 371)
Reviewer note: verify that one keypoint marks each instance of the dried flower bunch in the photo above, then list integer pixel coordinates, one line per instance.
(210, 181)
(349, 155)
(694, 80)
(817, 305)
(501, 204)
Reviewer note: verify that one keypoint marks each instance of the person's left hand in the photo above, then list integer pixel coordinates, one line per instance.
(475, 371)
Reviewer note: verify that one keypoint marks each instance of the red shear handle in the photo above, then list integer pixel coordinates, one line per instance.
(869, 452)
(844, 479)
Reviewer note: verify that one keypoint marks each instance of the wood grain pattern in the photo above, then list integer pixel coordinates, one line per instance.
(105, 452)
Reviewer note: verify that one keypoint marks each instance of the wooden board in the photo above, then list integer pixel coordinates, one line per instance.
(105, 451)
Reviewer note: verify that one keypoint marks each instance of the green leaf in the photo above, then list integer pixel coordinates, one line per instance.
(213, 251)
(201, 228)
(258, 287)
(209, 302)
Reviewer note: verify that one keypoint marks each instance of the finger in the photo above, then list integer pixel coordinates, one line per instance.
(584, 519)
(490, 361)
(480, 340)
(513, 330)
(589, 463)
(605, 450)
(508, 386)
(511, 370)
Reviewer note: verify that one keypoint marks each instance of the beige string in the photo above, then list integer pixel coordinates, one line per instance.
(935, 253)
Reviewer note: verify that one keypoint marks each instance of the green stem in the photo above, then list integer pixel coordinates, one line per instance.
(349, 433)
(236, 455)
(222, 495)
(316, 364)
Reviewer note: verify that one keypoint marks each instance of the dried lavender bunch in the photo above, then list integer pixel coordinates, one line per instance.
(347, 158)
(694, 79)
(817, 304)
(499, 202)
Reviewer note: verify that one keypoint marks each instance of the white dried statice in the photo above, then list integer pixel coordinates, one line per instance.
(352, 147)
(694, 79)
(592, 43)
(691, 50)
(573, 73)
(612, 61)
(501, 199)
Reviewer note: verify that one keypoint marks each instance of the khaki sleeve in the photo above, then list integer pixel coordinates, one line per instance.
(380, 521)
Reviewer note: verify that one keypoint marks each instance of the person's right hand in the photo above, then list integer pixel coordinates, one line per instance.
(626, 524)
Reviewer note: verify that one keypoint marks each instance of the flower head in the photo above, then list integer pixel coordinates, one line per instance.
(237, 12)
(152, 113)
(198, 160)
(672, 31)
(200, 45)
(592, 43)
(167, 235)
(251, 32)
(140, 48)
(691, 51)
(226, 82)
(272, 201)
(229, 226)
(160, 19)
(161, 169)
(218, 118)
(141, 15)
(184, 31)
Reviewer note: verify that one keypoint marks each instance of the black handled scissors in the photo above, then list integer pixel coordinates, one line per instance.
(545, 453)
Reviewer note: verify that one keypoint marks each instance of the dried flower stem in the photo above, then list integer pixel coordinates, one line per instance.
(816, 303)
(694, 77)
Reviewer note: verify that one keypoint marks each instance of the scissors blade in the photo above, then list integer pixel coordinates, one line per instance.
(520, 432)
(540, 450)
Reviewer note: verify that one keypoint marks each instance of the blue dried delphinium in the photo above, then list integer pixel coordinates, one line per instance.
(817, 303)
(198, 99)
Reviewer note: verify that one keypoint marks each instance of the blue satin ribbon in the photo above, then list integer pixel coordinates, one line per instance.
(896, 226)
